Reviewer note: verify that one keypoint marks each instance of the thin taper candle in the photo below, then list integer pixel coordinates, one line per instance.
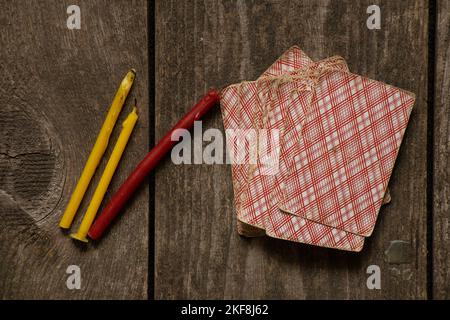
(127, 129)
(98, 150)
(148, 164)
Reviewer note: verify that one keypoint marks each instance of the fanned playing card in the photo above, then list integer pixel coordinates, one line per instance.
(249, 94)
(262, 196)
(280, 104)
(346, 151)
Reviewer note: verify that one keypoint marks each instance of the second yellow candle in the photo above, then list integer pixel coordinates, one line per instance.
(91, 212)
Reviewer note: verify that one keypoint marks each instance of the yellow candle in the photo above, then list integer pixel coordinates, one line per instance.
(127, 128)
(99, 149)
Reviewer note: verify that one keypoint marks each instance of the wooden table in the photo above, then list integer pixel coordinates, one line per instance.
(177, 238)
(56, 86)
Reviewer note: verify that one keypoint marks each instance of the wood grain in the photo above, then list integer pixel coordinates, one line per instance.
(202, 44)
(441, 219)
(55, 89)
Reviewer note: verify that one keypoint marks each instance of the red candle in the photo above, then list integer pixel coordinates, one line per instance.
(148, 164)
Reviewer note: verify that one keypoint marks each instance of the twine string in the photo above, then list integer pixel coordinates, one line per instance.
(309, 77)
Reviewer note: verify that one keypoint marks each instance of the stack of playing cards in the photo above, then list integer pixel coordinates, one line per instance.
(312, 147)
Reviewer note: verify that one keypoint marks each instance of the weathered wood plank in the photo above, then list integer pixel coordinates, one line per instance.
(55, 87)
(441, 219)
(203, 44)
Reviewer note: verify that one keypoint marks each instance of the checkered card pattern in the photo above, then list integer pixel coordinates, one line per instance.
(243, 107)
(336, 63)
(265, 199)
(235, 117)
(263, 194)
(346, 151)
(284, 226)
(295, 98)
(256, 194)
(293, 59)
(261, 199)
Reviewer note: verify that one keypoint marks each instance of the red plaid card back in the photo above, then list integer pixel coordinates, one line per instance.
(346, 151)
(260, 199)
(234, 117)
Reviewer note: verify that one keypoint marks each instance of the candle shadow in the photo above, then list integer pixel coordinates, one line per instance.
(211, 119)
(97, 243)
(311, 257)
(81, 246)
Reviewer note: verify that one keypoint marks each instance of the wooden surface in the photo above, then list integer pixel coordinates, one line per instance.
(202, 44)
(441, 188)
(56, 86)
